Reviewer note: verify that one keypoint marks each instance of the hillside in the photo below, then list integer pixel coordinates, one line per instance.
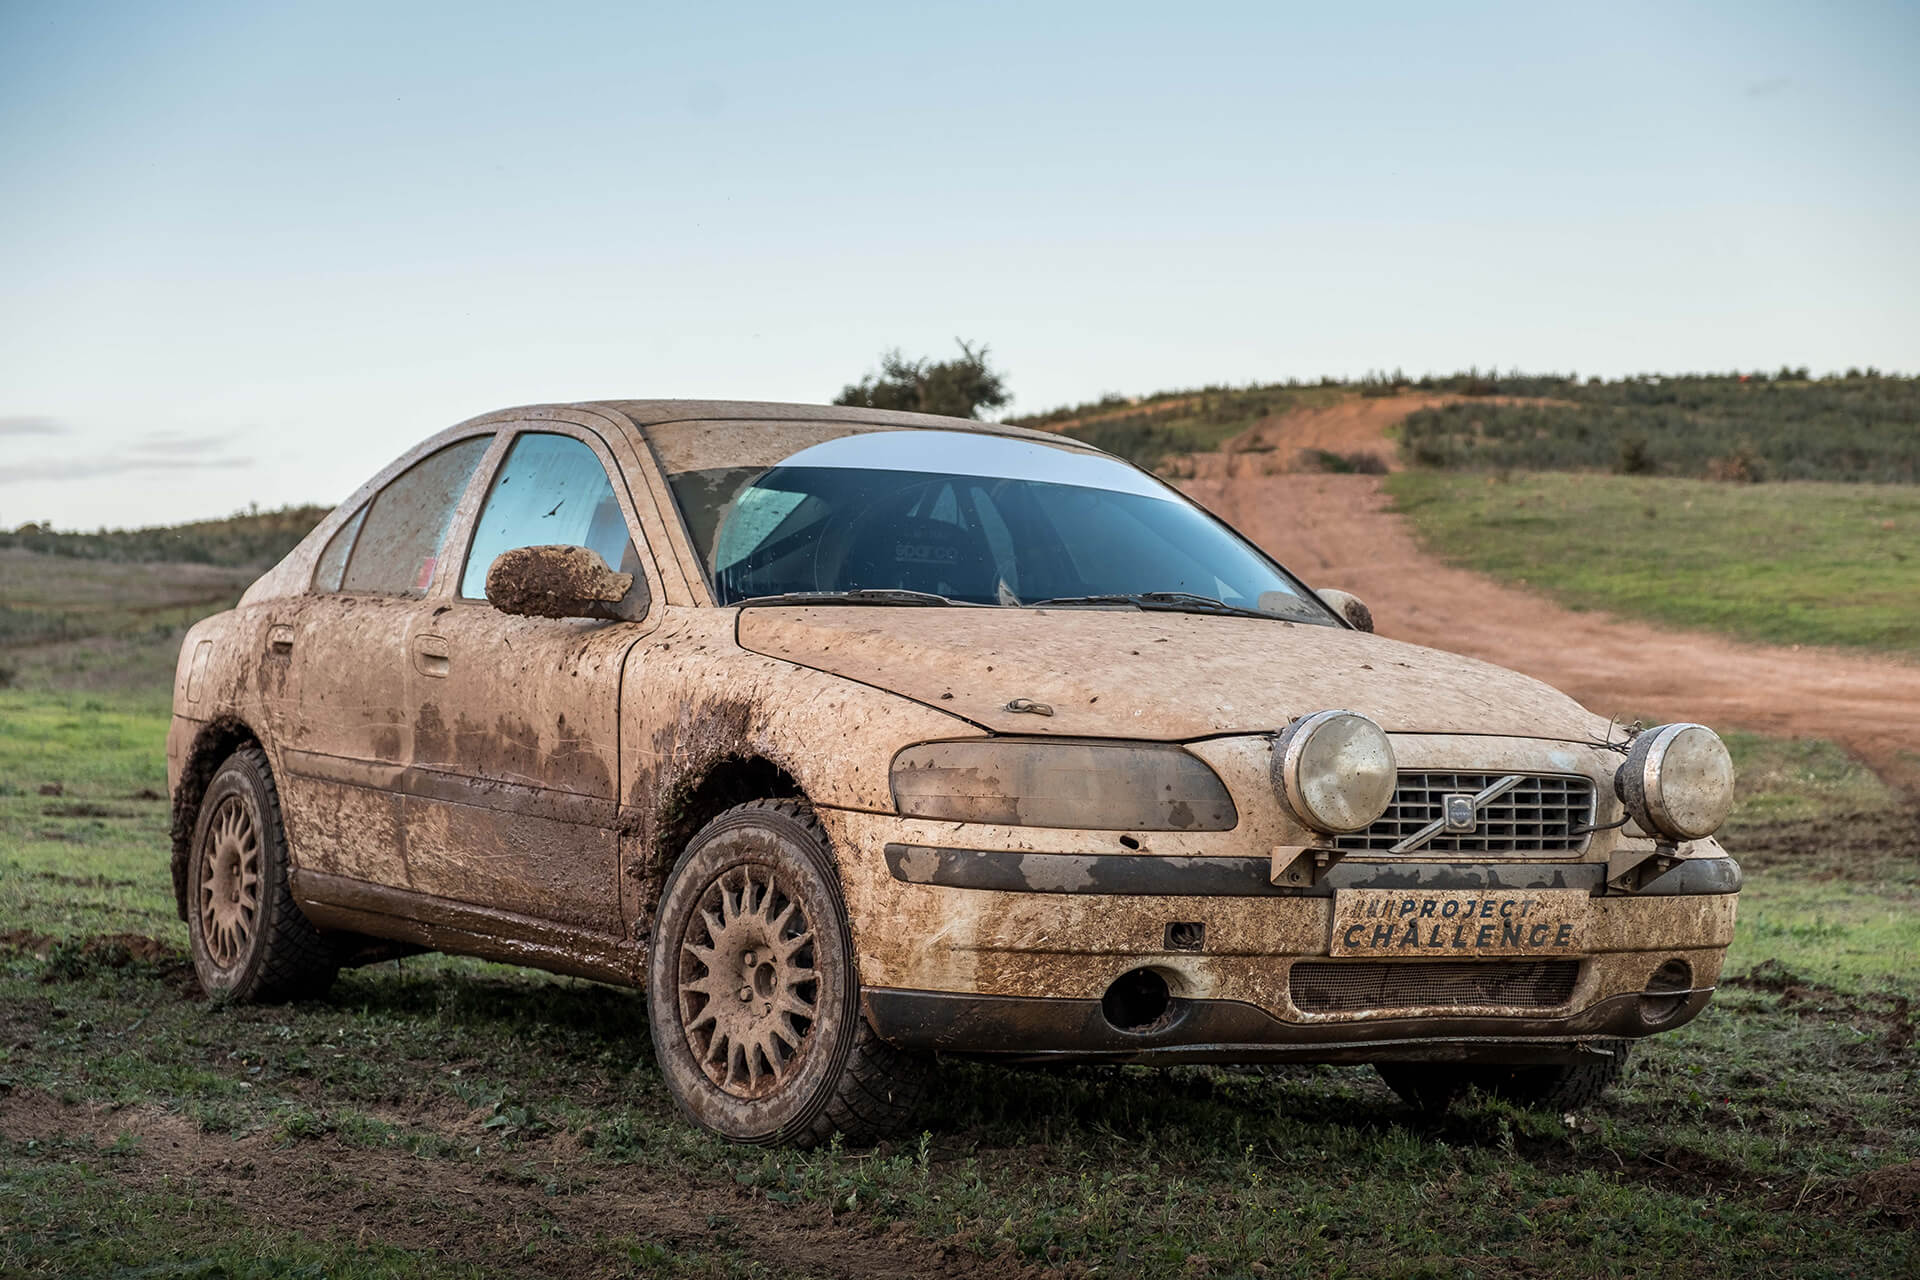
(107, 609)
(247, 539)
(1742, 427)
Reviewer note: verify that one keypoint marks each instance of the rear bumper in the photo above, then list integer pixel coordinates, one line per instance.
(1042, 1029)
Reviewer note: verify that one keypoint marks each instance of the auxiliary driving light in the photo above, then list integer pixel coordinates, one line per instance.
(1336, 771)
(1677, 781)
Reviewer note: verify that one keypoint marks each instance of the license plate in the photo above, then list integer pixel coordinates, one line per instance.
(1458, 922)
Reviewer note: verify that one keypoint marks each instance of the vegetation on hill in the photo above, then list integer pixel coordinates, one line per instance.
(1741, 427)
(1149, 430)
(246, 539)
(1715, 427)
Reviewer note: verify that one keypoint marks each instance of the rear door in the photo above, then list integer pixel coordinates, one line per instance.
(513, 797)
(337, 665)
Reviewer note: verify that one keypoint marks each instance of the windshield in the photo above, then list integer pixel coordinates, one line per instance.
(973, 518)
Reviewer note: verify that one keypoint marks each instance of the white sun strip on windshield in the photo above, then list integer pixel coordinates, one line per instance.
(966, 453)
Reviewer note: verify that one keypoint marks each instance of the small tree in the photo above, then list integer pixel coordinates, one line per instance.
(956, 388)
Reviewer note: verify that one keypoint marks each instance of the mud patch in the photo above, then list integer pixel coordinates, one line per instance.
(1877, 845)
(71, 959)
(537, 1202)
(1891, 1014)
(19, 942)
(82, 809)
(1890, 1195)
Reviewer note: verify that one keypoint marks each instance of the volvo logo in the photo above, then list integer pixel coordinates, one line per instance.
(1459, 813)
(1462, 815)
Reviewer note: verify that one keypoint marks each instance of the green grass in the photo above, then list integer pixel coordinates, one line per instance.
(446, 1117)
(1822, 564)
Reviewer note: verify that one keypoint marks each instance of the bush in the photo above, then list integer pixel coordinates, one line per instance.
(1635, 458)
(1346, 464)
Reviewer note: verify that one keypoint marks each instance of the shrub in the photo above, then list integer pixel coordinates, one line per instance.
(1636, 459)
(1360, 462)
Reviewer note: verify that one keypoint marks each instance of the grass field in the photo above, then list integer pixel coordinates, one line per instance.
(1827, 564)
(445, 1117)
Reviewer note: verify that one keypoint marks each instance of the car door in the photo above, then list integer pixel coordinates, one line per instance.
(513, 795)
(336, 669)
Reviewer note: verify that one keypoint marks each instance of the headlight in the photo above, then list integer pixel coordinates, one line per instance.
(1677, 781)
(1100, 786)
(1336, 771)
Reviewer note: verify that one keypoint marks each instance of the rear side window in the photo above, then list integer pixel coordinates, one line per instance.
(392, 547)
(551, 491)
(333, 561)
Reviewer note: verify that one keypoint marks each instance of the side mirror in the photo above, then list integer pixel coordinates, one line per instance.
(564, 582)
(1348, 606)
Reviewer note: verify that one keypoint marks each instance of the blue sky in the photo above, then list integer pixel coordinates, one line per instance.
(248, 252)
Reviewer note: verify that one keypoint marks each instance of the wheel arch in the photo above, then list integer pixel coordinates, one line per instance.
(688, 803)
(212, 744)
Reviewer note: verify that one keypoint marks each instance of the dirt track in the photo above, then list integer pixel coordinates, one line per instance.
(1337, 531)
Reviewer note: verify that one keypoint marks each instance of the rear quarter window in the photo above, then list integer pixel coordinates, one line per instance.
(393, 544)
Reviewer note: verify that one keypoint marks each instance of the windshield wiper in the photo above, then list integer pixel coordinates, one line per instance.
(1168, 601)
(860, 595)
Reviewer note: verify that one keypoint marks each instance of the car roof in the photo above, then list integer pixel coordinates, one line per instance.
(653, 413)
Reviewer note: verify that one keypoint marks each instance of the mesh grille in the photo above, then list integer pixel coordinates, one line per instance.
(1349, 986)
(1540, 815)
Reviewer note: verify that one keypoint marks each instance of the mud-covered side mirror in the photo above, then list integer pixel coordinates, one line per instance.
(1348, 606)
(564, 582)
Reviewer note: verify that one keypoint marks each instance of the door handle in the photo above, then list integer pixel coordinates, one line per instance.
(280, 640)
(432, 656)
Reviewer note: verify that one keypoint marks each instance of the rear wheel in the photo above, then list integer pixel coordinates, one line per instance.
(752, 991)
(248, 938)
(1434, 1086)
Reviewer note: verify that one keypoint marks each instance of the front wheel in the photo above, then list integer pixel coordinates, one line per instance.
(248, 937)
(1433, 1086)
(753, 995)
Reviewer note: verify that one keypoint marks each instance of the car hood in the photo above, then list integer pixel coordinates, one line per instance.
(1168, 676)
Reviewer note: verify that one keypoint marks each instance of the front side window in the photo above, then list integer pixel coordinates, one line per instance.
(972, 517)
(392, 545)
(551, 491)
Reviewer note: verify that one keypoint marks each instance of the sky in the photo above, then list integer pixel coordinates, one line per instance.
(251, 252)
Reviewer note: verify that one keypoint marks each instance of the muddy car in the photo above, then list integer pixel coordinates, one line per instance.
(855, 737)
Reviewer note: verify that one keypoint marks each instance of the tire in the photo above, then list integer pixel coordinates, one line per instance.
(249, 940)
(1433, 1087)
(753, 993)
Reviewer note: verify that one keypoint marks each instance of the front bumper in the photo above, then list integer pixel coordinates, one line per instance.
(1040, 1029)
(1009, 953)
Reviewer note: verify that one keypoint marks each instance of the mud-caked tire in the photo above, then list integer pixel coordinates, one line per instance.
(753, 991)
(1432, 1087)
(248, 938)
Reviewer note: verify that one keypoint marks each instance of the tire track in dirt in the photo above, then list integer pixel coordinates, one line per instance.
(1340, 531)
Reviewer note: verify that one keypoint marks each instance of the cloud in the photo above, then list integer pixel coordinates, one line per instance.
(91, 468)
(29, 426)
(172, 442)
(1768, 88)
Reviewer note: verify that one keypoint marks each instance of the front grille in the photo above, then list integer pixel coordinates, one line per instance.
(1540, 815)
(1353, 986)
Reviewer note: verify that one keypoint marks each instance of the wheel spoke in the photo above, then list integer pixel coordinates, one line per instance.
(748, 934)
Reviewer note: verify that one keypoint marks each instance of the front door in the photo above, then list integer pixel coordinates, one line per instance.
(513, 796)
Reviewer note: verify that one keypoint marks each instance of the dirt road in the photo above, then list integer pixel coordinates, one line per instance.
(1337, 531)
